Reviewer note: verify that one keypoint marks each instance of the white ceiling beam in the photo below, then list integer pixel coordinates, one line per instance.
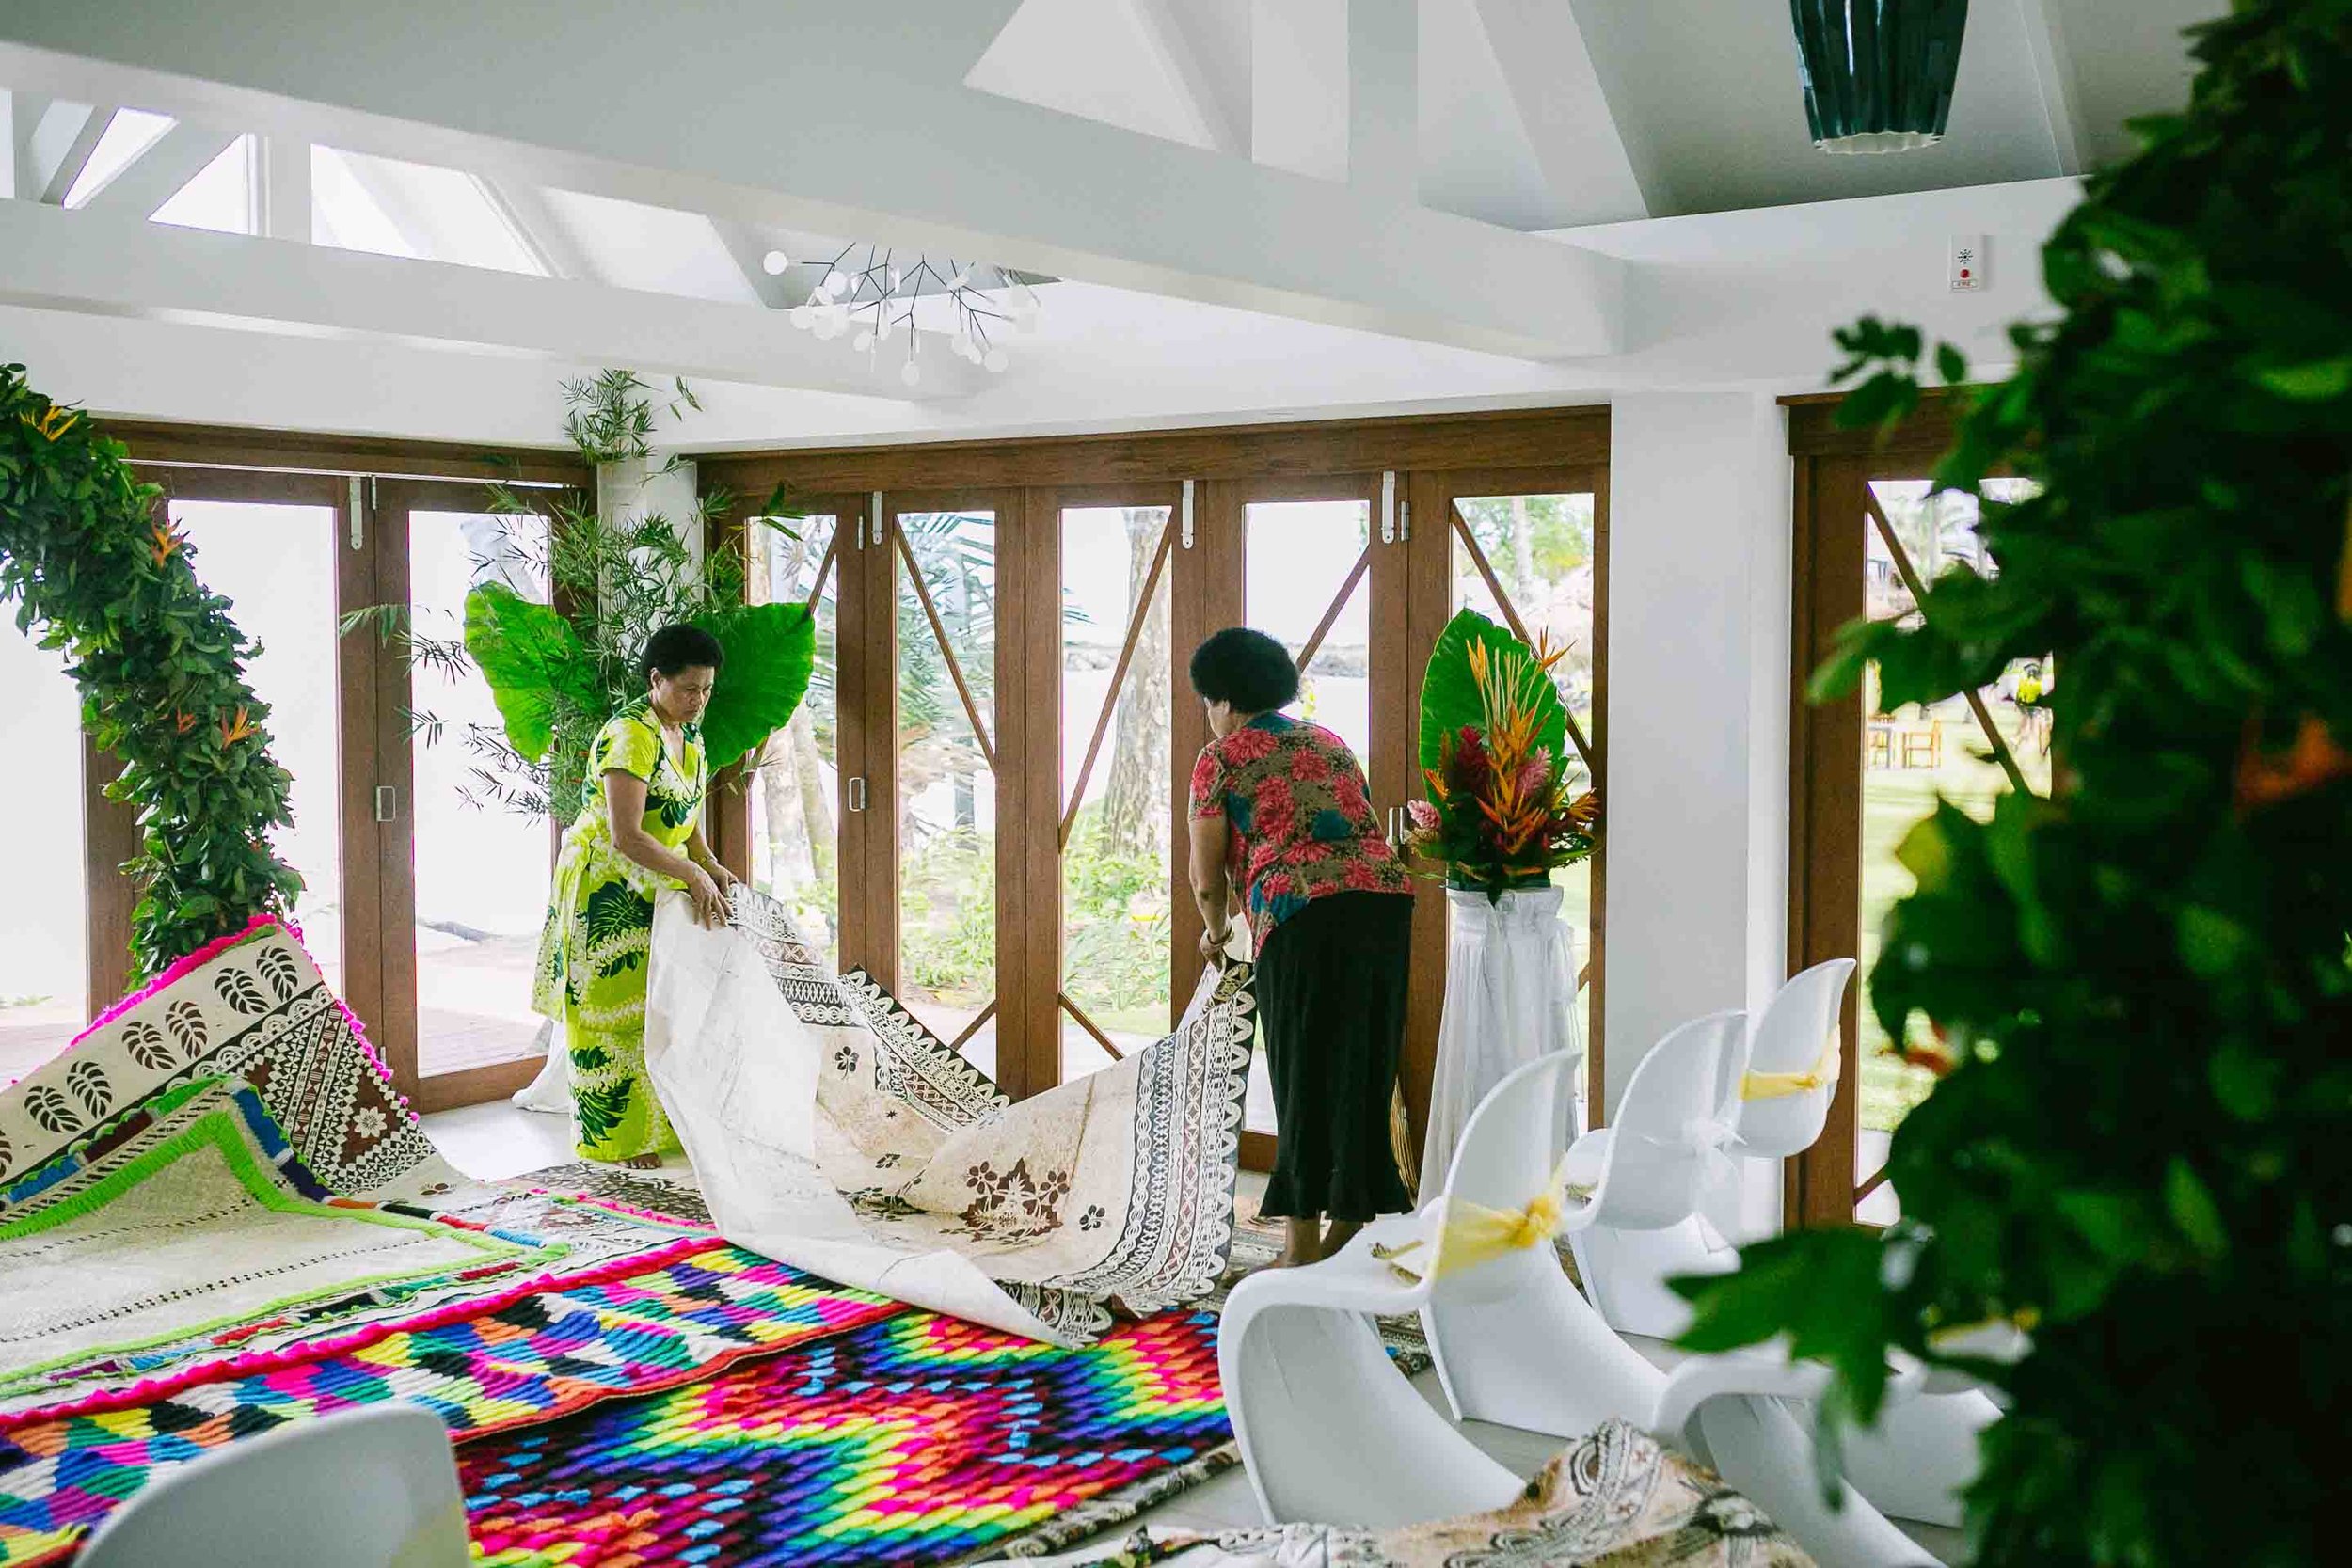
(2053, 73)
(1217, 91)
(62, 142)
(1557, 96)
(541, 228)
(1610, 37)
(749, 247)
(7, 145)
(802, 114)
(1384, 99)
(116, 264)
(155, 176)
(282, 166)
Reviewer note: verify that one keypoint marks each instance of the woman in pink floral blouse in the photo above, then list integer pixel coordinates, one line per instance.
(1282, 826)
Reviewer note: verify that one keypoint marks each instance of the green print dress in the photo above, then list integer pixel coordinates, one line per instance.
(599, 934)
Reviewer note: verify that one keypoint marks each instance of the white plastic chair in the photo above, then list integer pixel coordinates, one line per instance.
(1330, 1431)
(1731, 1412)
(1514, 1342)
(1625, 1271)
(374, 1488)
(1790, 1072)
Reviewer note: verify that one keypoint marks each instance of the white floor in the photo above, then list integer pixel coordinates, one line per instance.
(498, 1140)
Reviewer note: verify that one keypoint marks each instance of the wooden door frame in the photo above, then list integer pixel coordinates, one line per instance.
(111, 835)
(1832, 469)
(1536, 449)
(398, 1025)
(1020, 1068)
(1041, 853)
(727, 812)
(1220, 599)
(1433, 494)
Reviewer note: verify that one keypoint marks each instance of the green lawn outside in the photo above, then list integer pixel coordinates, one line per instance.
(1894, 800)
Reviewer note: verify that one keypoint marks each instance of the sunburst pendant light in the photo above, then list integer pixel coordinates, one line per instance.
(1878, 74)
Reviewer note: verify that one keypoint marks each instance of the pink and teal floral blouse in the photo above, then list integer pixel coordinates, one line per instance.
(1298, 819)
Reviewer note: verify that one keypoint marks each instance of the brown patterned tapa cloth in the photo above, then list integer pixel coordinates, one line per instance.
(829, 1130)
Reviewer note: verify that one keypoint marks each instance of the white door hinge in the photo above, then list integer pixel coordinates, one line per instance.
(356, 509)
(1388, 507)
(877, 518)
(1404, 519)
(1186, 533)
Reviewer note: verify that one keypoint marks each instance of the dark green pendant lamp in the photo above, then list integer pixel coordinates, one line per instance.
(1878, 73)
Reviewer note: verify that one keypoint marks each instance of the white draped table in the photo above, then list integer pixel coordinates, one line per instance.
(1510, 997)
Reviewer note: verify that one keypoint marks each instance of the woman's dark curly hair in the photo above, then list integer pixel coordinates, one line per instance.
(673, 649)
(1246, 668)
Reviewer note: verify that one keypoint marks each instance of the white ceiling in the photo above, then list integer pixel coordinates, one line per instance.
(1563, 202)
(1699, 97)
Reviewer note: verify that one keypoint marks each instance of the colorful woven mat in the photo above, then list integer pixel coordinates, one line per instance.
(164, 1303)
(537, 1359)
(917, 1440)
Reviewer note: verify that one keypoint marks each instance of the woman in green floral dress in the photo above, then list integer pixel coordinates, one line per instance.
(637, 833)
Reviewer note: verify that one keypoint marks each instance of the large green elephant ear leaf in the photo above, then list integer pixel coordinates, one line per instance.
(533, 661)
(1449, 694)
(770, 652)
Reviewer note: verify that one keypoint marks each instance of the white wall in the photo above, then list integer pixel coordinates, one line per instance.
(1698, 737)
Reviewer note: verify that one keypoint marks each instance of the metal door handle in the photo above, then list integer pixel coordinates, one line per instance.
(386, 803)
(857, 793)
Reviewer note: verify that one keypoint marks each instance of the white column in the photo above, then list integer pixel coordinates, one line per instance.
(1698, 728)
(629, 491)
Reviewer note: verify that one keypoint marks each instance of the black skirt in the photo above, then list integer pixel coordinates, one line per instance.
(1330, 986)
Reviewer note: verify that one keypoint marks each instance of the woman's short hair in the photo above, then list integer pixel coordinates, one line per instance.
(1246, 668)
(675, 649)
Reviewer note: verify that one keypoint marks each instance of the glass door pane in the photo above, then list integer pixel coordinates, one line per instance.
(482, 866)
(945, 572)
(44, 942)
(1537, 550)
(1306, 566)
(1910, 757)
(1116, 974)
(276, 564)
(794, 835)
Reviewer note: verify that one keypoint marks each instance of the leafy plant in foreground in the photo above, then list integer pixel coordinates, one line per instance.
(2141, 1151)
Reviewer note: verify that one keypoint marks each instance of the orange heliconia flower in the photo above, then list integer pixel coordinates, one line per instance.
(166, 543)
(187, 722)
(55, 423)
(232, 733)
(2315, 758)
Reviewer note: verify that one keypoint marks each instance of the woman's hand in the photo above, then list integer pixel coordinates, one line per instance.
(1213, 944)
(710, 905)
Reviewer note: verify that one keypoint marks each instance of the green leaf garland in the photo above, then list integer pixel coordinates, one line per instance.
(89, 557)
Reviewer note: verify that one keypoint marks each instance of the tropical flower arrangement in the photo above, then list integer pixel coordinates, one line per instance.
(1503, 809)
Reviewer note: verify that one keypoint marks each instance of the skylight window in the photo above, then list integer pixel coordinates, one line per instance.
(221, 195)
(359, 201)
(130, 132)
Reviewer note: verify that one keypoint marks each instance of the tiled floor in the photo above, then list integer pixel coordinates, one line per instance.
(499, 1140)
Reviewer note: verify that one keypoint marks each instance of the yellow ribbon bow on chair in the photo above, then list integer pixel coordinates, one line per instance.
(1474, 1234)
(1779, 1086)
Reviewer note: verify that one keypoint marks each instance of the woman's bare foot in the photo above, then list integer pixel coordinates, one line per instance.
(1302, 1242)
(644, 1162)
